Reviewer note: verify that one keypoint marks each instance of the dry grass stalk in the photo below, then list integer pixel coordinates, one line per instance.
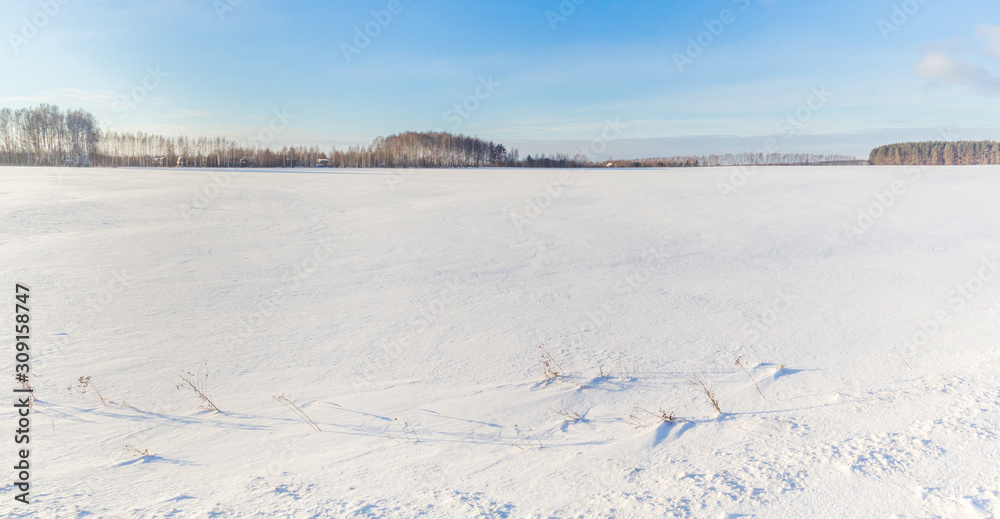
(526, 441)
(84, 383)
(198, 384)
(287, 401)
(569, 414)
(739, 362)
(641, 417)
(409, 433)
(704, 387)
(622, 367)
(132, 449)
(551, 368)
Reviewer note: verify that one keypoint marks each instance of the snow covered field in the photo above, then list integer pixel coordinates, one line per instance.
(862, 301)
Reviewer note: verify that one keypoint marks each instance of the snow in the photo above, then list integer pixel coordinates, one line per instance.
(368, 296)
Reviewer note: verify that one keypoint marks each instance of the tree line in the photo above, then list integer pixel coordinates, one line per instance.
(138, 149)
(739, 159)
(426, 150)
(937, 153)
(47, 136)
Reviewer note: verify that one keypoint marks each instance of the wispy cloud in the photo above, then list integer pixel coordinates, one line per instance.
(941, 67)
(991, 35)
(944, 68)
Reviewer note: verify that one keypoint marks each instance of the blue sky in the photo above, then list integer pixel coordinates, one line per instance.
(539, 75)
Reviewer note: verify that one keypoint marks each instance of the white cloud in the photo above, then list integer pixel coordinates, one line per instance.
(941, 67)
(991, 34)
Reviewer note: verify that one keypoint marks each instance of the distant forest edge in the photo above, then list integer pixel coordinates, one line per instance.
(47, 136)
(937, 153)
